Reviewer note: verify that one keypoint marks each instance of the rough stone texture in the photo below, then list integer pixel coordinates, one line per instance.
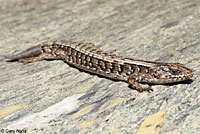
(164, 31)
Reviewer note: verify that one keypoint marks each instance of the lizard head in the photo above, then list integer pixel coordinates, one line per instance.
(170, 72)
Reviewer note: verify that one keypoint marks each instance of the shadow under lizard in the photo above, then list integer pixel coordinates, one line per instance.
(87, 57)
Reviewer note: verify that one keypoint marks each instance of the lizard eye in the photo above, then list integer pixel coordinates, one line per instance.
(175, 71)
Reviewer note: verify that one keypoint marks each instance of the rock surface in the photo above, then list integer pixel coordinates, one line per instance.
(52, 97)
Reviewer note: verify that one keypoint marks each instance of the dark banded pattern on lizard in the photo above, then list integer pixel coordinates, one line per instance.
(92, 59)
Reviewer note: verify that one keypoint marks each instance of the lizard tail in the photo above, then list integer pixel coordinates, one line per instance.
(31, 52)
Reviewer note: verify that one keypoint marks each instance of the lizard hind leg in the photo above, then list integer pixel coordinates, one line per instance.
(31, 59)
(30, 55)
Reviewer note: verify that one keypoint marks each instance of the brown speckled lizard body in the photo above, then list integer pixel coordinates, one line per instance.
(89, 58)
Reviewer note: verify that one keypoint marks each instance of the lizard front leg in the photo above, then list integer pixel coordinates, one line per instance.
(134, 84)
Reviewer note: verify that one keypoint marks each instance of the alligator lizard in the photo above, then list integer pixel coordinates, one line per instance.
(87, 57)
